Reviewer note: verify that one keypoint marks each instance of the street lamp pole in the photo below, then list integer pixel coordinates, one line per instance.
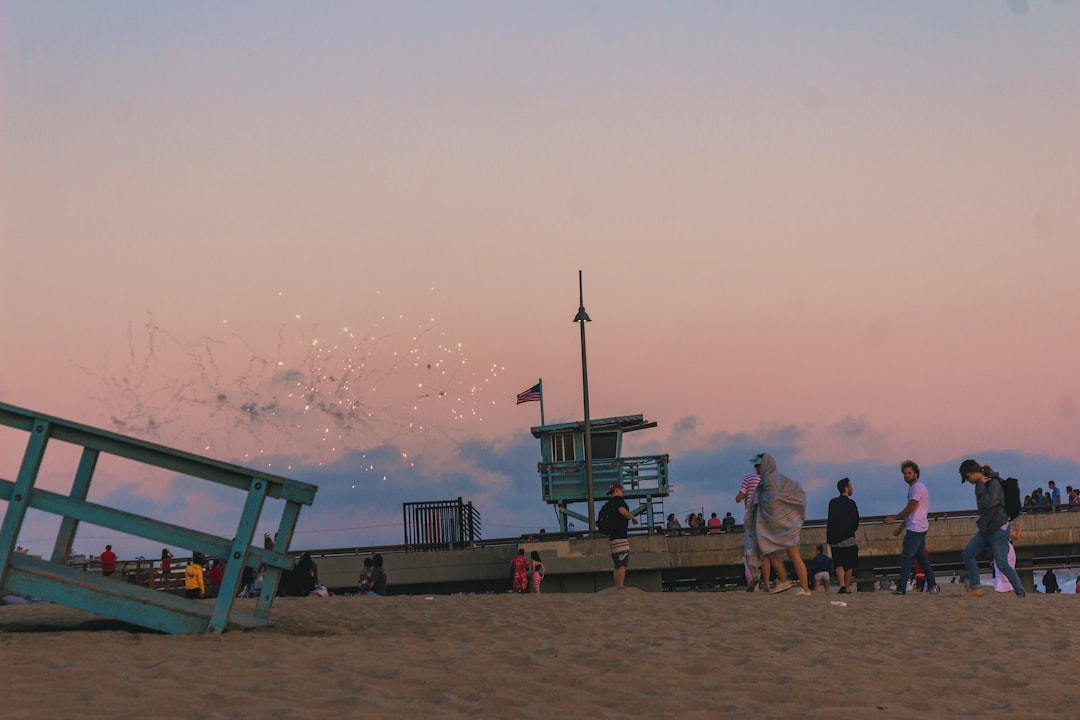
(581, 318)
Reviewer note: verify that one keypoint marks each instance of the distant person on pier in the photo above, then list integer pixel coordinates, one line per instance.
(1055, 495)
(166, 562)
(673, 522)
(917, 523)
(775, 524)
(194, 585)
(108, 561)
(714, 525)
(728, 523)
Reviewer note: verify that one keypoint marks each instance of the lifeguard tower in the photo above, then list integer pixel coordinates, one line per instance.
(115, 597)
(563, 476)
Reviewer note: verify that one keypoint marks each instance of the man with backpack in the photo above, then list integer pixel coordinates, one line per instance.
(993, 524)
(616, 532)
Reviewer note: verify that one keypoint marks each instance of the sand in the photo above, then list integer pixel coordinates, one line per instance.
(613, 654)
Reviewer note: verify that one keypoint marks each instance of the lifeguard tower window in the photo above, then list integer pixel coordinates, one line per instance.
(562, 448)
(605, 445)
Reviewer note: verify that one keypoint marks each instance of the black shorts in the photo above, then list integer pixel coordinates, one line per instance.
(845, 557)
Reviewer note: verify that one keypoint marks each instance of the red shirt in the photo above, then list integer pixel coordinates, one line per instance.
(108, 561)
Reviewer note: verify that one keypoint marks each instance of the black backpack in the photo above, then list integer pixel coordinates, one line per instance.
(607, 519)
(1013, 505)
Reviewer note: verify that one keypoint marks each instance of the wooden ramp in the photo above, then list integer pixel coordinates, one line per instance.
(110, 596)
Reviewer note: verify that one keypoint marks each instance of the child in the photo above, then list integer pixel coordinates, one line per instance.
(821, 567)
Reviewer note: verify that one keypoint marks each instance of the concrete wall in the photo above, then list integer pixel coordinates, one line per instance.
(580, 565)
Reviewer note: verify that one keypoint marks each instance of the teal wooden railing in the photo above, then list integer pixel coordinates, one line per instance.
(53, 580)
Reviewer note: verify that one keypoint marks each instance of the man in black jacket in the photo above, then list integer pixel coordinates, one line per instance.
(993, 524)
(840, 534)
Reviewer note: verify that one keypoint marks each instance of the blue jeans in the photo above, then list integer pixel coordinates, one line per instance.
(914, 548)
(997, 542)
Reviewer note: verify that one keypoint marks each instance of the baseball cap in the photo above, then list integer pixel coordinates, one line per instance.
(969, 466)
(613, 487)
(756, 460)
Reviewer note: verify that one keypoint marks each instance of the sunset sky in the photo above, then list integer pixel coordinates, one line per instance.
(336, 240)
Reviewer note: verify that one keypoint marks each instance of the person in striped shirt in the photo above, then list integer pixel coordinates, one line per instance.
(746, 496)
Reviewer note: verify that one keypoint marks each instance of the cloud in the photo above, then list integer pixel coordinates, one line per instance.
(361, 493)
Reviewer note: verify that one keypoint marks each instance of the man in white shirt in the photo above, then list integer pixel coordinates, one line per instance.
(915, 512)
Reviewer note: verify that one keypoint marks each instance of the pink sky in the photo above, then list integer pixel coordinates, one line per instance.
(838, 216)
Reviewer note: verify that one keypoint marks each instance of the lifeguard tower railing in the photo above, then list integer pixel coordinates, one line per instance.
(440, 525)
(644, 477)
(112, 597)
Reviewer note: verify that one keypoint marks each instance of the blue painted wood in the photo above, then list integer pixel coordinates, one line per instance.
(19, 497)
(245, 531)
(272, 578)
(115, 596)
(80, 488)
(565, 482)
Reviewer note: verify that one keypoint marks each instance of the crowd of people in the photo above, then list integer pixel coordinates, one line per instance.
(775, 509)
(696, 522)
(1051, 500)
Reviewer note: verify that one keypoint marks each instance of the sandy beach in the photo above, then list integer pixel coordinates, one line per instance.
(612, 654)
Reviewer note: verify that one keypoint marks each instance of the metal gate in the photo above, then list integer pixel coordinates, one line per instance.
(440, 525)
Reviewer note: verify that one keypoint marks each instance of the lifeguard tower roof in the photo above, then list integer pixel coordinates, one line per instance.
(626, 423)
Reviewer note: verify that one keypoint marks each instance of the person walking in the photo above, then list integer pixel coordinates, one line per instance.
(519, 572)
(536, 571)
(993, 529)
(917, 523)
(840, 530)
(745, 495)
(775, 524)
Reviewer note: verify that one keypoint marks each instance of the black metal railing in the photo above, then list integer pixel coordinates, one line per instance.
(440, 525)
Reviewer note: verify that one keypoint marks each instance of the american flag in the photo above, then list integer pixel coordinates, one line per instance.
(530, 395)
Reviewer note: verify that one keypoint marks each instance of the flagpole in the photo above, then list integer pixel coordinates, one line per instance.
(581, 318)
(540, 382)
